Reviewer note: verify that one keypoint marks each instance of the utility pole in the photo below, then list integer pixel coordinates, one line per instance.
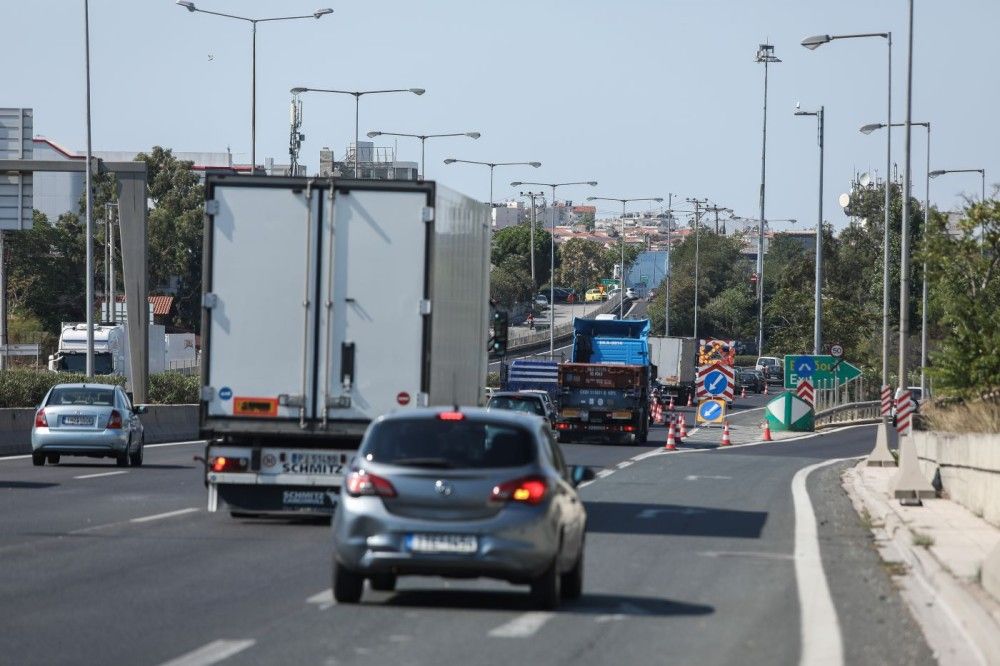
(697, 225)
(717, 209)
(534, 282)
(765, 55)
(667, 276)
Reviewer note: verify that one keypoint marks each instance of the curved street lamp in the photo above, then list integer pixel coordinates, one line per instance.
(357, 106)
(423, 140)
(492, 166)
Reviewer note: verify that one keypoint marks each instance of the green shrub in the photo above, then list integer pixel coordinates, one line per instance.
(174, 388)
(26, 388)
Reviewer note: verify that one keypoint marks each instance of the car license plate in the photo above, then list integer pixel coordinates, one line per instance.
(78, 420)
(462, 544)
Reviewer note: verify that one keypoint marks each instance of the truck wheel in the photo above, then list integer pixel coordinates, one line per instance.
(562, 438)
(642, 437)
(37, 459)
(347, 585)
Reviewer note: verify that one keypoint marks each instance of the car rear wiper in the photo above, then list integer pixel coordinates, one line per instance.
(441, 463)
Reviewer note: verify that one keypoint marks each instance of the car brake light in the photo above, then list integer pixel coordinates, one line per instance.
(224, 464)
(40, 420)
(562, 426)
(451, 416)
(530, 489)
(363, 483)
(115, 420)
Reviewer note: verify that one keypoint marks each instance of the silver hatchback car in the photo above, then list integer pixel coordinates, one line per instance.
(460, 493)
(95, 420)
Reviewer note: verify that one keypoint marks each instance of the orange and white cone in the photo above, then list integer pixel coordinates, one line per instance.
(683, 431)
(671, 441)
(725, 435)
(657, 412)
(690, 404)
(743, 392)
(767, 432)
(765, 388)
(671, 407)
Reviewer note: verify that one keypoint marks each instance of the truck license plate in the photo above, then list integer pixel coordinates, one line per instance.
(461, 544)
(275, 461)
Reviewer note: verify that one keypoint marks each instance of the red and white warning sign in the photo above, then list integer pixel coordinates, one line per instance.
(715, 380)
(805, 391)
(904, 413)
(403, 398)
(886, 401)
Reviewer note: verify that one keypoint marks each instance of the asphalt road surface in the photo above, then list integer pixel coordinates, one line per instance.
(701, 556)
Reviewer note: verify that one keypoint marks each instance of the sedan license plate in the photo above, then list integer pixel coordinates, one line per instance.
(78, 420)
(461, 544)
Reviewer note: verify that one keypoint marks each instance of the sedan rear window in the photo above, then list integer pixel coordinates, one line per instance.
(527, 404)
(448, 444)
(81, 396)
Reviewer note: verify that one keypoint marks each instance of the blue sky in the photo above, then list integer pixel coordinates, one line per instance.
(648, 97)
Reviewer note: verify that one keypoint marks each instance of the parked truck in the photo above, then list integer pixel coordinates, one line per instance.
(674, 366)
(604, 391)
(378, 293)
(111, 350)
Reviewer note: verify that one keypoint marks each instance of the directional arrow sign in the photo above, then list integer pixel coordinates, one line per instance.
(712, 410)
(820, 369)
(716, 382)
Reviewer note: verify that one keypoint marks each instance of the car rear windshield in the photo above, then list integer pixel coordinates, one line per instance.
(532, 405)
(434, 443)
(81, 396)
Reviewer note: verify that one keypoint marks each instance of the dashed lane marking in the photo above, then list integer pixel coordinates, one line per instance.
(94, 476)
(168, 514)
(211, 653)
(322, 600)
(522, 626)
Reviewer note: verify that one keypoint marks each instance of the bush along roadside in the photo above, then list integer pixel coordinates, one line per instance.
(26, 388)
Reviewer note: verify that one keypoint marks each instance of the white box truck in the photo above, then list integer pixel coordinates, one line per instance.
(327, 303)
(675, 360)
(111, 350)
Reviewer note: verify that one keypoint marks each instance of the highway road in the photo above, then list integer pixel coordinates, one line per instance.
(691, 558)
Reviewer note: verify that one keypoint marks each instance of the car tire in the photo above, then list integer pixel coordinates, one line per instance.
(135, 459)
(383, 582)
(37, 459)
(571, 582)
(347, 585)
(121, 459)
(545, 588)
(53, 458)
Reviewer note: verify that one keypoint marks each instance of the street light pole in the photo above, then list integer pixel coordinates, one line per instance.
(90, 202)
(423, 142)
(621, 279)
(904, 271)
(492, 166)
(818, 296)
(318, 14)
(765, 54)
(552, 252)
(531, 238)
(813, 43)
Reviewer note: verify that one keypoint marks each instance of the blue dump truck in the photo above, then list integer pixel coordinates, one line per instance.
(604, 390)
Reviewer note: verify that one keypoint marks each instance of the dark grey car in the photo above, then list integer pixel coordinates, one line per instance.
(460, 494)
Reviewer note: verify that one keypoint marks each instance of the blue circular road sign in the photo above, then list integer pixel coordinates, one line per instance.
(716, 382)
(225, 393)
(709, 410)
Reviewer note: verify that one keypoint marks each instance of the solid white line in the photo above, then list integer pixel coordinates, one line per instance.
(820, 628)
(157, 446)
(168, 514)
(94, 476)
(522, 626)
(212, 653)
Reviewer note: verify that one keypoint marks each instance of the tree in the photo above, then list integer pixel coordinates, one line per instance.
(175, 232)
(515, 241)
(581, 264)
(510, 283)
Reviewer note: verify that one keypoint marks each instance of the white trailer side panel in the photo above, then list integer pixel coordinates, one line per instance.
(262, 272)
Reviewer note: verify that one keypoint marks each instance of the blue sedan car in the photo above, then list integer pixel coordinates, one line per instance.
(95, 420)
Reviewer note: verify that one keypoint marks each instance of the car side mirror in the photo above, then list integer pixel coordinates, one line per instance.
(581, 473)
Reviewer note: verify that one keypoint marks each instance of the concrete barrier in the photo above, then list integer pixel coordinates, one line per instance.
(969, 468)
(162, 423)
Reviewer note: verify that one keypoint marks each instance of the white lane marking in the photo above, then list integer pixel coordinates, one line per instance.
(522, 626)
(211, 653)
(94, 476)
(820, 627)
(604, 472)
(6, 458)
(696, 477)
(323, 600)
(624, 464)
(168, 514)
(158, 446)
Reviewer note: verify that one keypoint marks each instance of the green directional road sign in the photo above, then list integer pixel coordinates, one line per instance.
(819, 369)
(790, 412)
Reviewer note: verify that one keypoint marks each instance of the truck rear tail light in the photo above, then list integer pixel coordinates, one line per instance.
(629, 428)
(115, 420)
(563, 426)
(530, 490)
(362, 483)
(224, 464)
(40, 420)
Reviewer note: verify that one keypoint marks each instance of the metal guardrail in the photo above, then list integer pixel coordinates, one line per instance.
(532, 339)
(852, 412)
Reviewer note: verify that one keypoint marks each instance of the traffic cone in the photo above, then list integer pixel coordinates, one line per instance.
(767, 432)
(671, 408)
(657, 412)
(683, 431)
(690, 404)
(671, 442)
(765, 388)
(725, 435)
(743, 392)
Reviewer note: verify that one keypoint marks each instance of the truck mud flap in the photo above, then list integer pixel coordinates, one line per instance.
(278, 499)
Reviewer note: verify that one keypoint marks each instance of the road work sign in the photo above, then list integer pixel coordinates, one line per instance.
(712, 410)
(790, 412)
(715, 381)
(819, 369)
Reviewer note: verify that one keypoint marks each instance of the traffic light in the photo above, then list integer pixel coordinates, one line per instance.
(500, 326)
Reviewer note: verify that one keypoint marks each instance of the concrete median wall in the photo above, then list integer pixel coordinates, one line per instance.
(969, 465)
(163, 423)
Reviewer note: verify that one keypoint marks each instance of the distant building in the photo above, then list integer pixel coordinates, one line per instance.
(511, 213)
(374, 162)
